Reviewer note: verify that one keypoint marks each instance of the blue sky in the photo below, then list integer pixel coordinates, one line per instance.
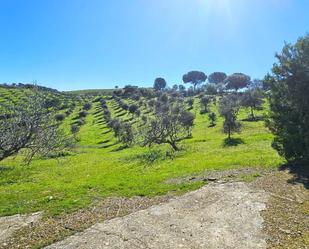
(82, 44)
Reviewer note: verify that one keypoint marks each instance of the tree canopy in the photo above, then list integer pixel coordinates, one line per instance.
(29, 126)
(217, 77)
(159, 84)
(195, 78)
(237, 81)
(289, 101)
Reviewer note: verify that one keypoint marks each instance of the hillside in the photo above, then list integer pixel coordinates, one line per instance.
(99, 166)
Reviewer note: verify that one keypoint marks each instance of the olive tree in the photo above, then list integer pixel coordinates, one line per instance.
(228, 109)
(212, 118)
(126, 134)
(123, 131)
(205, 100)
(132, 109)
(252, 99)
(170, 124)
(29, 126)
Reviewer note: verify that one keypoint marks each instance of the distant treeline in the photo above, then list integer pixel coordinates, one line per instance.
(27, 86)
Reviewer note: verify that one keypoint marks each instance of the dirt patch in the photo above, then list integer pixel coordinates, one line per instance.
(222, 176)
(215, 216)
(52, 229)
(287, 214)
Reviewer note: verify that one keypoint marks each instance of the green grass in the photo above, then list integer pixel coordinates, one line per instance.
(98, 169)
(92, 92)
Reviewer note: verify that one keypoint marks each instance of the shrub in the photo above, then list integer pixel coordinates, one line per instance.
(82, 114)
(133, 108)
(80, 122)
(60, 117)
(87, 106)
(74, 128)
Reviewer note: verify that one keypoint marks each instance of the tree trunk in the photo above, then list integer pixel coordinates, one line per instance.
(252, 114)
(174, 146)
(229, 136)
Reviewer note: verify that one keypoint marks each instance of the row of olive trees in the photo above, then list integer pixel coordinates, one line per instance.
(171, 122)
(168, 123)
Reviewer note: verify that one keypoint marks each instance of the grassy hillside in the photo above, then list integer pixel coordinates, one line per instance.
(100, 167)
(104, 92)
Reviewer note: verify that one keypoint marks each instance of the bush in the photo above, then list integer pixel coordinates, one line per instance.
(60, 117)
(133, 108)
(68, 112)
(82, 114)
(80, 122)
(74, 128)
(87, 106)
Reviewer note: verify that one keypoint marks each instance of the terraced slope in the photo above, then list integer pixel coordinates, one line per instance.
(99, 166)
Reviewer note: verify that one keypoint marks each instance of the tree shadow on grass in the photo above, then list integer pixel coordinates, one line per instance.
(253, 119)
(105, 132)
(104, 141)
(122, 147)
(121, 114)
(232, 142)
(97, 113)
(5, 168)
(300, 172)
(108, 145)
(102, 121)
(147, 112)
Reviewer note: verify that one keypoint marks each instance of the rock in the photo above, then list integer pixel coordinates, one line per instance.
(285, 231)
(10, 224)
(215, 216)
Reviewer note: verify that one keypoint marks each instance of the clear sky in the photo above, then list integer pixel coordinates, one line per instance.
(82, 44)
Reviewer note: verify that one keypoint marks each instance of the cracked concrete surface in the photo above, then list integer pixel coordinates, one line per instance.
(10, 224)
(215, 216)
